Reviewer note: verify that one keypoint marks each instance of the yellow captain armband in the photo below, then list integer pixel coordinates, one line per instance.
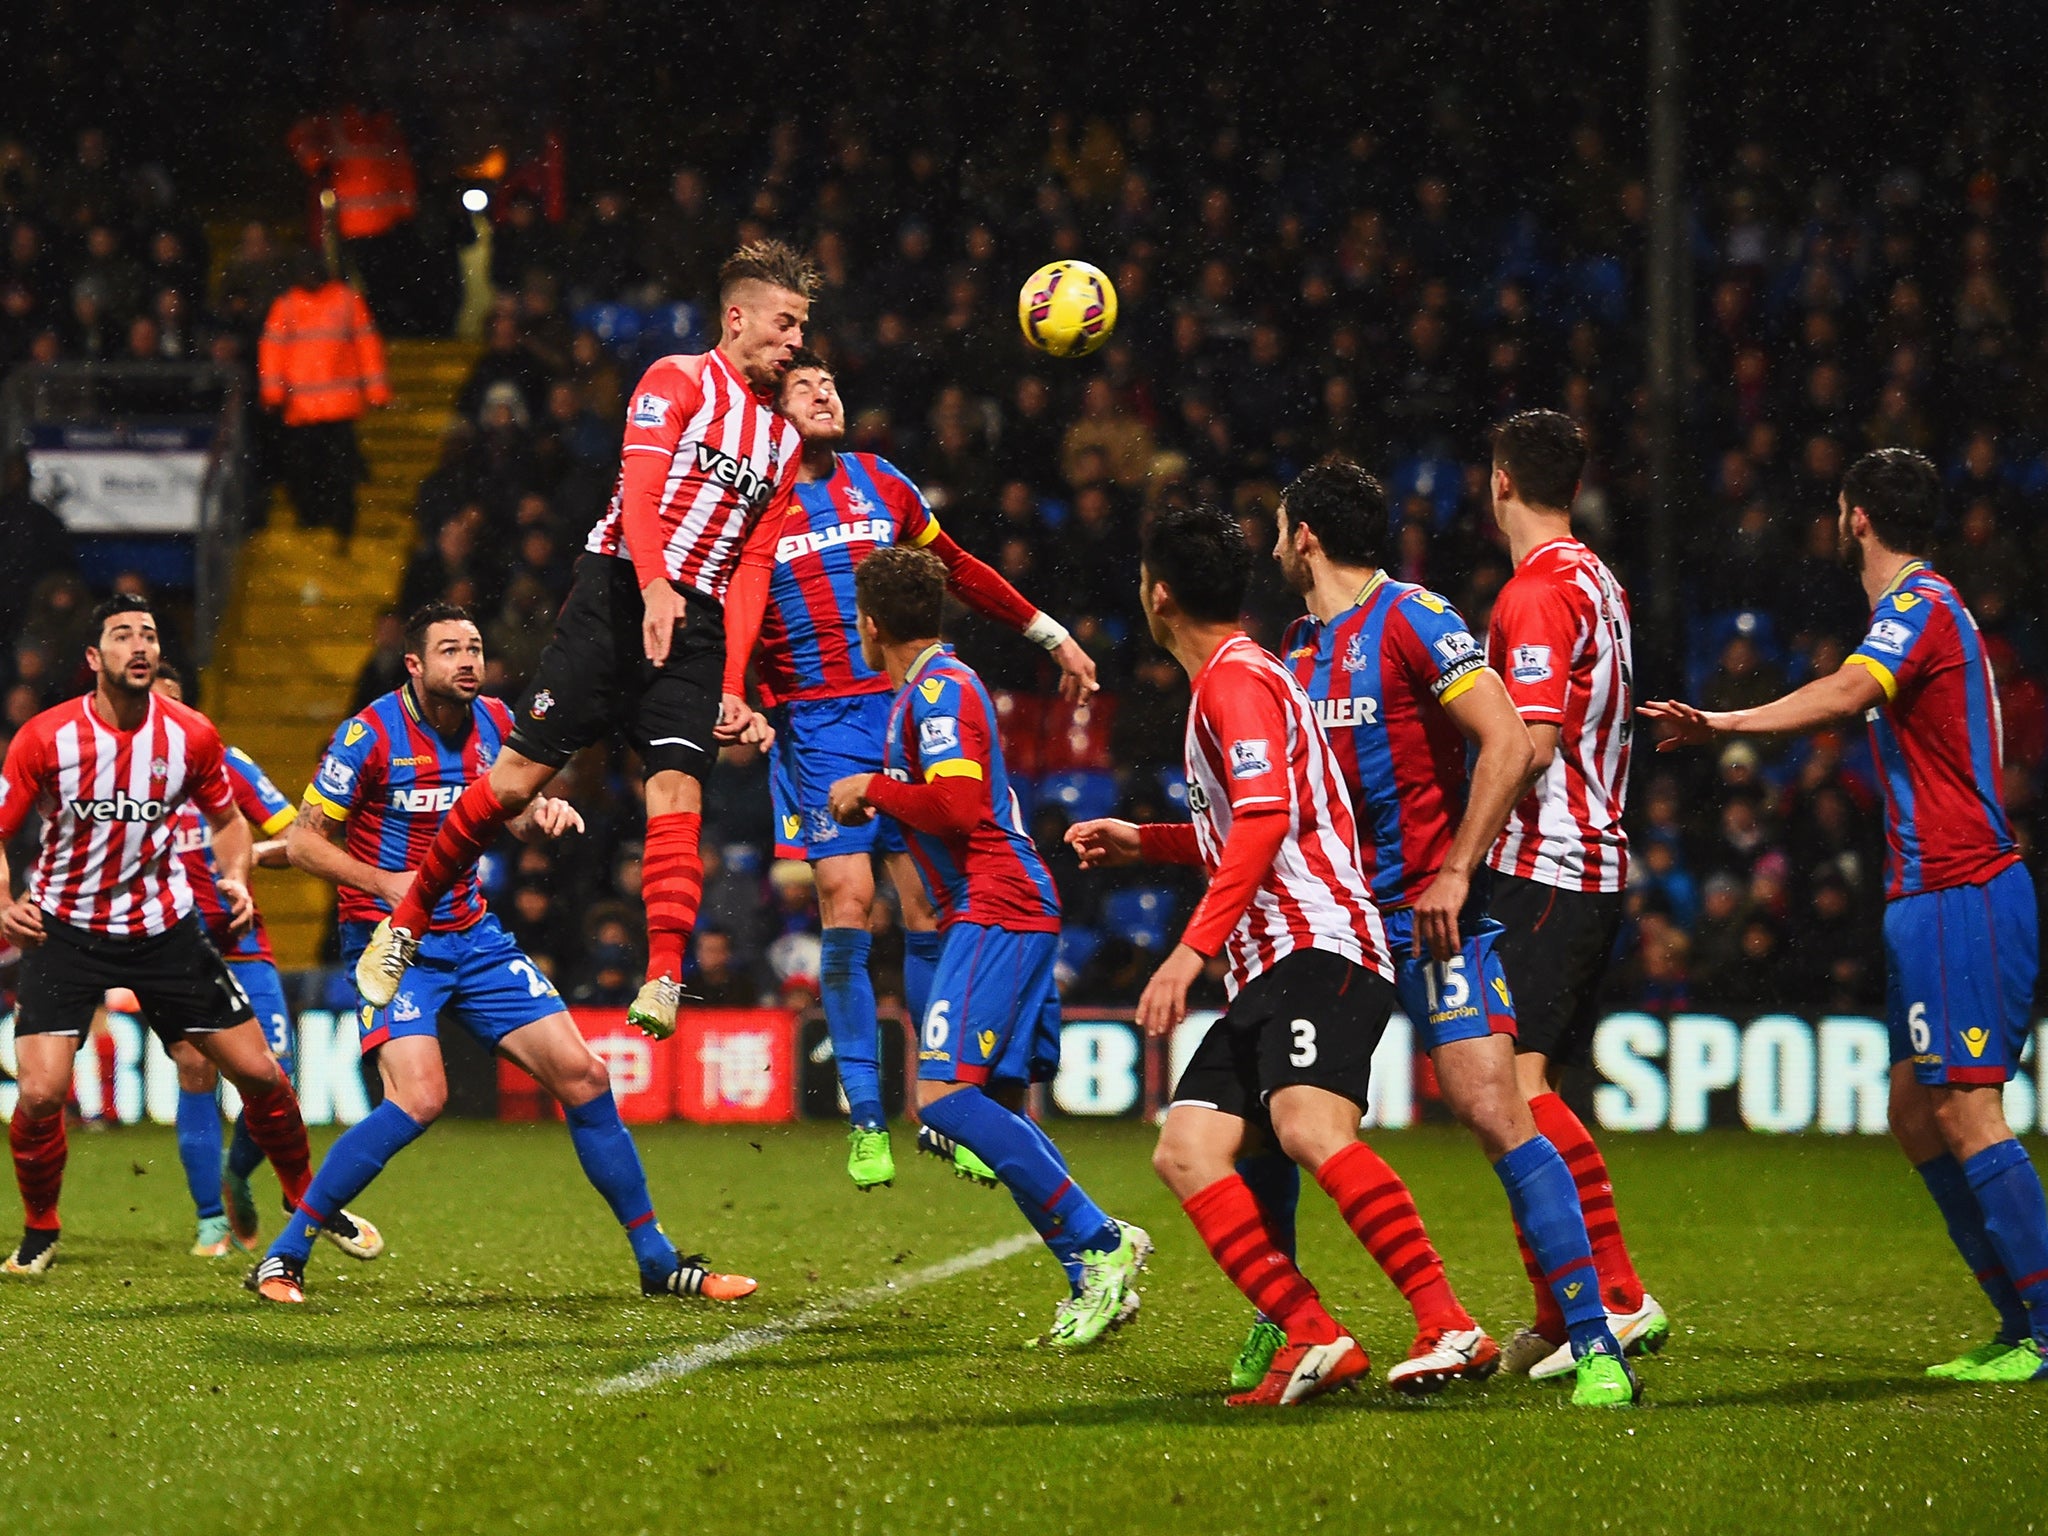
(953, 768)
(1878, 670)
(324, 806)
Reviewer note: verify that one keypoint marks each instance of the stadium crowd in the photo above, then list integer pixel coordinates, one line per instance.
(1278, 303)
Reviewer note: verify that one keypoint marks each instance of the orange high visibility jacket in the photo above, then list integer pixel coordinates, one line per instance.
(363, 156)
(321, 358)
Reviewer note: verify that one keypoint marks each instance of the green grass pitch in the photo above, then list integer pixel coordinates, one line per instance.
(450, 1385)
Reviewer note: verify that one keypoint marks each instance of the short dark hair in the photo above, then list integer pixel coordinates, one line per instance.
(1201, 555)
(1544, 453)
(1345, 506)
(119, 603)
(903, 589)
(768, 261)
(166, 672)
(426, 617)
(804, 357)
(1900, 493)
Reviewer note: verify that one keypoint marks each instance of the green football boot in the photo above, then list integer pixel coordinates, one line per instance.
(2022, 1362)
(967, 1166)
(1604, 1381)
(869, 1162)
(1970, 1360)
(1106, 1279)
(1256, 1358)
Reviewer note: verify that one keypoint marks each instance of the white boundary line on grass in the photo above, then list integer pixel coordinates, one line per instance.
(744, 1341)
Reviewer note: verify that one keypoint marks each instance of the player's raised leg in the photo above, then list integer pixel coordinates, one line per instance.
(36, 1136)
(554, 1051)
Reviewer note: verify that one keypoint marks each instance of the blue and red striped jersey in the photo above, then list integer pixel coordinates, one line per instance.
(1937, 738)
(265, 808)
(393, 778)
(943, 725)
(810, 648)
(1379, 674)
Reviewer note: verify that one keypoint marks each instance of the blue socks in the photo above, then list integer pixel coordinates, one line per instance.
(612, 1164)
(2008, 1191)
(1950, 1188)
(920, 964)
(244, 1156)
(849, 1000)
(351, 1163)
(1031, 1168)
(199, 1150)
(1545, 1202)
(1275, 1182)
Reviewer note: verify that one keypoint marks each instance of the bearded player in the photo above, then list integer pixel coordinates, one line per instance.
(388, 776)
(639, 646)
(1560, 640)
(1401, 688)
(221, 1194)
(832, 710)
(992, 1025)
(1961, 935)
(108, 905)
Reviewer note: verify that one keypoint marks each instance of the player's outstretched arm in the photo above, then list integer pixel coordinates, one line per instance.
(983, 588)
(1841, 695)
(1500, 777)
(1106, 842)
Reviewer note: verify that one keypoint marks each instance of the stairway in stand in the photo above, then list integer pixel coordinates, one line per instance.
(299, 627)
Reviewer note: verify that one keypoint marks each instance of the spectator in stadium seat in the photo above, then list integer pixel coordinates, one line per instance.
(384, 668)
(35, 539)
(1126, 444)
(716, 976)
(607, 979)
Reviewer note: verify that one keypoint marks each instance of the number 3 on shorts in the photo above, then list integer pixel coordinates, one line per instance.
(1304, 1052)
(1916, 1027)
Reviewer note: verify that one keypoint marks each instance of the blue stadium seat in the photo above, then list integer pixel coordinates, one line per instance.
(1173, 784)
(1440, 482)
(1143, 914)
(1078, 945)
(1709, 635)
(1080, 795)
(613, 324)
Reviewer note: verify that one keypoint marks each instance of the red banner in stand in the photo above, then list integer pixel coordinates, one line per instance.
(722, 1065)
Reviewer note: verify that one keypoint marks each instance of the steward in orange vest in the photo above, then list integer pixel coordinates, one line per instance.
(362, 155)
(321, 358)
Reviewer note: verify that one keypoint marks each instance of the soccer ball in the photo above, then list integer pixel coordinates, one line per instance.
(1067, 308)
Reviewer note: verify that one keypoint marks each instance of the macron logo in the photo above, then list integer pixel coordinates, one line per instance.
(440, 797)
(123, 807)
(717, 465)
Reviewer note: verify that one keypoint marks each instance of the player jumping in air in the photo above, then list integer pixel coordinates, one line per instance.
(1560, 640)
(226, 1204)
(1309, 980)
(1401, 687)
(388, 777)
(639, 646)
(1961, 935)
(832, 709)
(992, 1025)
(108, 905)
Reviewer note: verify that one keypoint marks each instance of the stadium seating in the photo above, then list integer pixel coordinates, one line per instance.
(1081, 795)
(1143, 914)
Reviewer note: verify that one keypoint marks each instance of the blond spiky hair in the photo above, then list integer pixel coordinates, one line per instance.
(768, 261)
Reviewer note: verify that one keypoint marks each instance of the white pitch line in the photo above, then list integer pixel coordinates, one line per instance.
(744, 1341)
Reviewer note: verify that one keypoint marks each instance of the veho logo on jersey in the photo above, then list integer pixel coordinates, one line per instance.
(1198, 797)
(1889, 635)
(425, 798)
(1250, 758)
(123, 807)
(1359, 709)
(938, 733)
(1530, 664)
(870, 530)
(717, 465)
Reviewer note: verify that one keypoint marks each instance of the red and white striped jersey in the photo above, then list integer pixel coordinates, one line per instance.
(1560, 639)
(1253, 741)
(108, 799)
(704, 457)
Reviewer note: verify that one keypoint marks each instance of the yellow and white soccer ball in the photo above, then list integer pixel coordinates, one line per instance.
(1067, 308)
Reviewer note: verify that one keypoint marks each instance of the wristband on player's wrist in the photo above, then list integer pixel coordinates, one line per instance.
(1047, 631)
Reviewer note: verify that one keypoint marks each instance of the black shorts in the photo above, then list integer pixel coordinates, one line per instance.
(594, 679)
(178, 977)
(1554, 952)
(1314, 1019)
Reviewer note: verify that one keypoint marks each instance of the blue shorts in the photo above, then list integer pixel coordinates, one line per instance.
(260, 980)
(1465, 998)
(994, 1011)
(478, 974)
(817, 743)
(1959, 979)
